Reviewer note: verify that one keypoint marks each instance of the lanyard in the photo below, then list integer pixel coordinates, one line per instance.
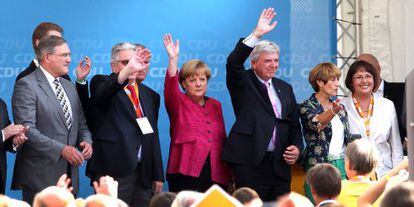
(365, 116)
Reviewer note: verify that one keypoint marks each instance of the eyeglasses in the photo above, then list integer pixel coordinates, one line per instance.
(363, 77)
(64, 55)
(123, 62)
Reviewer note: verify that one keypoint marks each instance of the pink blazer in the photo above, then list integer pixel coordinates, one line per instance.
(195, 131)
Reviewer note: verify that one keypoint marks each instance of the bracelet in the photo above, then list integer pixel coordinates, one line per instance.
(332, 111)
(387, 177)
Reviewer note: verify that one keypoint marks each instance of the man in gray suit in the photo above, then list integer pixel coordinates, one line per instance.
(58, 138)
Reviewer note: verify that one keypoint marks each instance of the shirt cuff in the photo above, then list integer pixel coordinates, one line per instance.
(251, 40)
(2, 134)
(82, 82)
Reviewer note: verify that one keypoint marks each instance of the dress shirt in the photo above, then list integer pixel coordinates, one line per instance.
(50, 80)
(196, 131)
(380, 90)
(142, 111)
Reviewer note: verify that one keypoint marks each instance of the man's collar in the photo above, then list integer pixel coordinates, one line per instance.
(261, 80)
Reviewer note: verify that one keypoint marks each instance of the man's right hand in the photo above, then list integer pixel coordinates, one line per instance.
(13, 130)
(264, 24)
(72, 155)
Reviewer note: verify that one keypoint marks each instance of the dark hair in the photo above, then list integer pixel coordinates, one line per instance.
(41, 31)
(325, 180)
(401, 195)
(245, 195)
(357, 66)
(163, 199)
(47, 45)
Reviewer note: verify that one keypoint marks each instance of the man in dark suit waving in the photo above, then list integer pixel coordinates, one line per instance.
(125, 132)
(265, 139)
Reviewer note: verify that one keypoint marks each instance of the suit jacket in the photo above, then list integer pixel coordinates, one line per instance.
(395, 92)
(39, 163)
(82, 89)
(116, 134)
(7, 145)
(255, 120)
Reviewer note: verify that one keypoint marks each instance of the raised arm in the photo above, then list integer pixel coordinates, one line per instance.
(173, 51)
(138, 62)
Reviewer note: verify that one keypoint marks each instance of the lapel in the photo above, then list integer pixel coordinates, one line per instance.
(281, 93)
(45, 86)
(144, 97)
(262, 91)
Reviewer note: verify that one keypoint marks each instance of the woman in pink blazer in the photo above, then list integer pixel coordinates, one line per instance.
(196, 126)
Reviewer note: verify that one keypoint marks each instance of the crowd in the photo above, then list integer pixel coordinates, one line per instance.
(351, 151)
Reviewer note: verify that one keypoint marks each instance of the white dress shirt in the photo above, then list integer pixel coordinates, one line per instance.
(383, 129)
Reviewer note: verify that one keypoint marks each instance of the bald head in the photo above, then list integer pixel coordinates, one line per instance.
(374, 62)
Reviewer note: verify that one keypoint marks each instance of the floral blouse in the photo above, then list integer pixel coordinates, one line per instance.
(318, 140)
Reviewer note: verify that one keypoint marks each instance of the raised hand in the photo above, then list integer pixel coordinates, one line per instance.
(83, 68)
(336, 106)
(264, 24)
(64, 182)
(140, 60)
(107, 186)
(172, 49)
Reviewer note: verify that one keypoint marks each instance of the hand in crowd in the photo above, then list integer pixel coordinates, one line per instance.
(107, 186)
(173, 49)
(86, 150)
(64, 182)
(84, 68)
(291, 154)
(264, 24)
(157, 187)
(336, 106)
(72, 155)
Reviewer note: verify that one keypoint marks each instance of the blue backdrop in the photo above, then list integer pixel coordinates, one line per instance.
(208, 30)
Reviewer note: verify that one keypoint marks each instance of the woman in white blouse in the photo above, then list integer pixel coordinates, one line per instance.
(372, 117)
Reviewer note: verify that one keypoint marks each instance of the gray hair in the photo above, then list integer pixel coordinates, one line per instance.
(362, 156)
(263, 46)
(47, 45)
(119, 47)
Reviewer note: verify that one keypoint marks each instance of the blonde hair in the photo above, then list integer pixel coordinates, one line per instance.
(323, 72)
(191, 68)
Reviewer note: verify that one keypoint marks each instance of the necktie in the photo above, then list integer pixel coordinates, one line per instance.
(274, 106)
(62, 100)
(135, 100)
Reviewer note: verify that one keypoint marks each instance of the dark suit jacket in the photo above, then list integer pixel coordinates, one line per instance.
(395, 92)
(82, 89)
(116, 134)
(4, 122)
(255, 120)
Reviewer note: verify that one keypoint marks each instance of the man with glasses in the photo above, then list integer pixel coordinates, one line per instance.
(58, 138)
(125, 133)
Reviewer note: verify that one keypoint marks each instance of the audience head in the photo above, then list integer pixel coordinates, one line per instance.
(323, 73)
(325, 181)
(54, 196)
(401, 195)
(186, 198)
(54, 55)
(193, 78)
(264, 59)
(360, 158)
(293, 199)
(245, 195)
(361, 72)
(101, 200)
(42, 30)
(163, 199)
